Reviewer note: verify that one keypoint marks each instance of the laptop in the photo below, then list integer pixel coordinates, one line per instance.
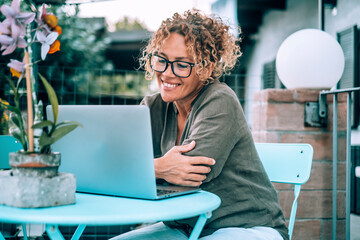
(112, 154)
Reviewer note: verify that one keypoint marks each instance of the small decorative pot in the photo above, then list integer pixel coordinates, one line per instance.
(34, 164)
(34, 181)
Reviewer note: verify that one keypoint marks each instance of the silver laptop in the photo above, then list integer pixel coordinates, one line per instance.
(112, 154)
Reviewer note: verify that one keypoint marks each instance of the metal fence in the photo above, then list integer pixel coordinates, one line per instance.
(98, 86)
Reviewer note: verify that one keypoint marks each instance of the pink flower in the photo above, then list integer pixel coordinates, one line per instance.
(9, 44)
(5, 27)
(17, 65)
(16, 19)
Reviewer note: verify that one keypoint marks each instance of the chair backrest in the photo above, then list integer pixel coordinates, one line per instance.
(287, 163)
(7, 144)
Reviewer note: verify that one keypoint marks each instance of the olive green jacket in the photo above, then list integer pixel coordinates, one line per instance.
(218, 125)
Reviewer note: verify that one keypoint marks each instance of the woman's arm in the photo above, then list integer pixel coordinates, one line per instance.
(176, 168)
(217, 125)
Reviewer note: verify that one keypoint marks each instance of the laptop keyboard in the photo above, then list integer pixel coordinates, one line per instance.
(165, 191)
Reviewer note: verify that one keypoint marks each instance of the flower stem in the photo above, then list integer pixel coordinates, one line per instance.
(29, 103)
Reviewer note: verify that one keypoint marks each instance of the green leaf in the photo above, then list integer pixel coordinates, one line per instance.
(57, 134)
(44, 140)
(11, 84)
(62, 131)
(52, 97)
(16, 133)
(15, 119)
(42, 124)
(69, 122)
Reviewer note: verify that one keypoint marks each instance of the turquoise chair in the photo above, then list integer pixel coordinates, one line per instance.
(7, 144)
(287, 163)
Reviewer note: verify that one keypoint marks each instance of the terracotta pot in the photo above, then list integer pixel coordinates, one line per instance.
(34, 164)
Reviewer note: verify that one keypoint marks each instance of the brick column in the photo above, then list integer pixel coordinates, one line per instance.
(278, 116)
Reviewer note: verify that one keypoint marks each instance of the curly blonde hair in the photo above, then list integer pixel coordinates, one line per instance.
(207, 39)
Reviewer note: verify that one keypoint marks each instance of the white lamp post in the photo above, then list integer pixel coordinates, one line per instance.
(310, 59)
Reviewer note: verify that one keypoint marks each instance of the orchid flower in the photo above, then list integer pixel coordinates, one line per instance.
(9, 44)
(5, 27)
(54, 47)
(48, 22)
(46, 41)
(16, 67)
(17, 19)
(16, 32)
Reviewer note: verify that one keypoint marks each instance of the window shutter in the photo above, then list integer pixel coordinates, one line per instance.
(270, 78)
(349, 41)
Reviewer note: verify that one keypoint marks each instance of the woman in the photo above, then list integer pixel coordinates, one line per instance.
(200, 134)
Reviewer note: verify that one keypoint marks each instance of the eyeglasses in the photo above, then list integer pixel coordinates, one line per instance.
(179, 68)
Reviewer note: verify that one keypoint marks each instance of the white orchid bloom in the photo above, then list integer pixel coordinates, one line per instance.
(46, 41)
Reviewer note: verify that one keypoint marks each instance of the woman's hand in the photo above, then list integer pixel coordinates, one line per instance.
(176, 168)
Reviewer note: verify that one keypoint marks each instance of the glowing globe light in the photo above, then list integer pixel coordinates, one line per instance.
(310, 59)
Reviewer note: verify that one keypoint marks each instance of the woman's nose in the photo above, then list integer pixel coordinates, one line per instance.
(169, 72)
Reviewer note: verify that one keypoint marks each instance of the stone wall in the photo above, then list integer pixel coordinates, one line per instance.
(278, 116)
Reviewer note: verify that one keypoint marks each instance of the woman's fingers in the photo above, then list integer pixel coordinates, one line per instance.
(201, 161)
(195, 177)
(200, 169)
(191, 184)
(185, 148)
(181, 169)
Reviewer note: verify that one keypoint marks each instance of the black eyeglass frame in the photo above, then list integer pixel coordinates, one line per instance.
(172, 65)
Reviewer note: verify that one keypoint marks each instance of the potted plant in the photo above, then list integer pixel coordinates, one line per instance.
(35, 167)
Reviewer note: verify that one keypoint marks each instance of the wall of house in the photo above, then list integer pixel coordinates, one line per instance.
(278, 117)
(279, 24)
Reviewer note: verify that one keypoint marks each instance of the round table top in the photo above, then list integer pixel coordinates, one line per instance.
(91, 209)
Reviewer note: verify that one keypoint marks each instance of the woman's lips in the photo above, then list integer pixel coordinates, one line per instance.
(170, 85)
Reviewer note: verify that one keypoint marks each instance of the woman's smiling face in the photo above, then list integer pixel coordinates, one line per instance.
(172, 88)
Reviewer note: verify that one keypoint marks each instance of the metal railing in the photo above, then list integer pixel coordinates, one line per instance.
(322, 103)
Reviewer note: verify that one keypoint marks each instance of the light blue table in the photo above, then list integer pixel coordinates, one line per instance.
(106, 210)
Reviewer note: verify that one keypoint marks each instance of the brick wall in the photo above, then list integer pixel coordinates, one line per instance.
(278, 116)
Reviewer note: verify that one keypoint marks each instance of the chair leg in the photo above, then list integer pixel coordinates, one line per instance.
(293, 210)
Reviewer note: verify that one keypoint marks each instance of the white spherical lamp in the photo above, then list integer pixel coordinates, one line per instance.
(310, 59)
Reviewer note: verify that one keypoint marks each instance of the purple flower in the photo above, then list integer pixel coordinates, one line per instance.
(16, 65)
(46, 41)
(9, 44)
(16, 19)
(41, 24)
(5, 27)
(17, 68)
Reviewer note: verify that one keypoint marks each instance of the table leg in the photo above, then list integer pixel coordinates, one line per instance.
(24, 231)
(53, 232)
(79, 230)
(199, 225)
